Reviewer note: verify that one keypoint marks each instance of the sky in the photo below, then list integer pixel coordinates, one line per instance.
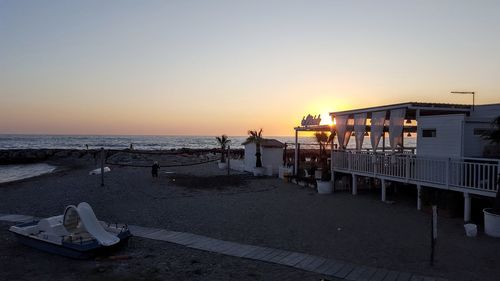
(225, 67)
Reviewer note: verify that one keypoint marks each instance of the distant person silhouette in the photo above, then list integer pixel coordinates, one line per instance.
(154, 169)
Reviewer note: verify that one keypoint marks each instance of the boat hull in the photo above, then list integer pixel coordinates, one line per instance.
(75, 251)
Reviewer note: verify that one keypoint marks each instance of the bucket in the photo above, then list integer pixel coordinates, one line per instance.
(470, 229)
(491, 223)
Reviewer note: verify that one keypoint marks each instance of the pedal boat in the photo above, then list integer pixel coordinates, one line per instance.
(75, 234)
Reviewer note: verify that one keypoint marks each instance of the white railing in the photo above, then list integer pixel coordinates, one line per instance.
(467, 173)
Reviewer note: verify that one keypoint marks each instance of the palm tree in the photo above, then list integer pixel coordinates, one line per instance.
(256, 137)
(493, 136)
(223, 142)
(323, 140)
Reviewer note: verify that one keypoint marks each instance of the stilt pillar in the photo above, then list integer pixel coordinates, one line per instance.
(333, 181)
(419, 197)
(384, 189)
(466, 207)
(354, 184)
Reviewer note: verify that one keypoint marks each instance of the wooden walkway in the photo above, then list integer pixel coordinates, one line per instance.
(328, 267)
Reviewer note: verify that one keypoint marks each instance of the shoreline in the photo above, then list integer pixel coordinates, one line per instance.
(58, 169)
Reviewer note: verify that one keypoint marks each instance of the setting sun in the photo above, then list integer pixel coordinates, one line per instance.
(326, 119)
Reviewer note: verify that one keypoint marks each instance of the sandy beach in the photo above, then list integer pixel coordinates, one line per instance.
(267, 212)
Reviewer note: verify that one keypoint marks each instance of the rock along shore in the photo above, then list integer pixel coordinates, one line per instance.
(27, 156)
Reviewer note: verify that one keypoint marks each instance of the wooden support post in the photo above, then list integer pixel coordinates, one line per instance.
(448, 168)
(102, 166)
(466, 207)
(383, 190)
(228, 159)
(296, 158)
(419, 197)
(383, 139)
(433, 232)
(285, 158)
(354, 184)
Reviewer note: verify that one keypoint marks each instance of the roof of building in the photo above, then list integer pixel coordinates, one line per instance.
(424, 108)
(269, 143)
(314, 128)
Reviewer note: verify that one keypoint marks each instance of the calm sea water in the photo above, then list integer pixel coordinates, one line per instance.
(122, 142)
(144, 142)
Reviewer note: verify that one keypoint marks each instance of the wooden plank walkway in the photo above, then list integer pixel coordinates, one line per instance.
(328, 267)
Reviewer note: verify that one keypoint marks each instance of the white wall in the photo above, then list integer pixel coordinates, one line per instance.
(249, 157)
(272, 156)
(448, 140)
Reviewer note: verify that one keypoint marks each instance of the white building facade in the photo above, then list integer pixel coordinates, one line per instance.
(448, 153)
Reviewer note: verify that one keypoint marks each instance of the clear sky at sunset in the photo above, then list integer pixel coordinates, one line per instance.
(213, 67)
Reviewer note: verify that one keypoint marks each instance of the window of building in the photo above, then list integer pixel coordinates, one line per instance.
(480, 132)
(428, 133)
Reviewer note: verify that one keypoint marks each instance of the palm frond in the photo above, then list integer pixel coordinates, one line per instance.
(493, 134)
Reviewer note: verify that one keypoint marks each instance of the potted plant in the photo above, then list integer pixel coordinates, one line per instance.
(256, 137)
(324, 184)
(223, 141)
(492, 215)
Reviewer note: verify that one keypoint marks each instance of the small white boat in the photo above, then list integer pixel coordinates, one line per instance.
(76, 234)
(98, 171)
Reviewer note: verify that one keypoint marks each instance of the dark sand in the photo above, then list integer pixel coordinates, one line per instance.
(143, 259)
(266, 212)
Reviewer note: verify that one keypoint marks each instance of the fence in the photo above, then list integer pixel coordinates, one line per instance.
(476, 174)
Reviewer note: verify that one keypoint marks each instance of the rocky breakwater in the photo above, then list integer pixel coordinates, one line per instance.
(112, 156)
(26, 156)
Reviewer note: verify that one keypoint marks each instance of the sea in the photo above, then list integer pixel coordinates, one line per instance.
(146, 142)
(123, 142)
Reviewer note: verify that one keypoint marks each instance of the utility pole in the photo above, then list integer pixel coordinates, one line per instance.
(102, 166)
(228, 160)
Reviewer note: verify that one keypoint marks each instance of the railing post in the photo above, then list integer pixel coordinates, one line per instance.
(448, 163)
(349, 160)
(497, 185)
(407, 168)
(383, 190)
(419, 197)
(332, 161)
